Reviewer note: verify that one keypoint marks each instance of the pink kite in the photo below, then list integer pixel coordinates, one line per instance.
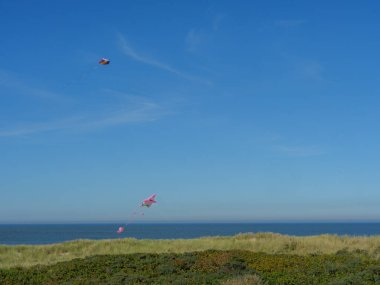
(120, 230)
(149, 201)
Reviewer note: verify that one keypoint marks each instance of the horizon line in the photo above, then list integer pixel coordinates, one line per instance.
(343, 221)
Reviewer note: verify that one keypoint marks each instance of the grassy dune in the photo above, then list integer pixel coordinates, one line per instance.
(25, 255)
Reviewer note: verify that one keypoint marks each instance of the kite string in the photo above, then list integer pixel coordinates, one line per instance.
(133, 216)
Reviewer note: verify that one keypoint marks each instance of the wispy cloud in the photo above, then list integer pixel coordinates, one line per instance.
(12, 81)
(24, 129)
(302, 151)
(289, 23)
(301, 68)
(129, 51)
(310, 69)
(217, 21)
(142, 111)
(193, 40)
(196, 37)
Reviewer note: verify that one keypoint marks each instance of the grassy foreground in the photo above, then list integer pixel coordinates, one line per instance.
(26, 256)
(206, 267)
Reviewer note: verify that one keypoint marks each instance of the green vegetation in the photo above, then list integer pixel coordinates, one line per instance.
(25, 256)
(255, 259)
(207, 267)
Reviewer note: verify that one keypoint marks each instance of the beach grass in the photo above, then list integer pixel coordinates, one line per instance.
(270, 243)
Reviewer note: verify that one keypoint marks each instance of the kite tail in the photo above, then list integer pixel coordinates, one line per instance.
(138, 212)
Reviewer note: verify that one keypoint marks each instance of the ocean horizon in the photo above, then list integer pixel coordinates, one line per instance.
(34, 234)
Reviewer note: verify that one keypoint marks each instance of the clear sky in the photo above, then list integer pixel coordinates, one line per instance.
(228, 110)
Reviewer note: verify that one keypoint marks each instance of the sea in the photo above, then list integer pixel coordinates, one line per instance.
(56, 233)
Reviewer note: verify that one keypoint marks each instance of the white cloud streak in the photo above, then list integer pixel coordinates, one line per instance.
(301, 151)
(289, 23)
(130, 52)
(143, 112)
(216, 23)
(310, 69)
(11, 81)
(193, 40)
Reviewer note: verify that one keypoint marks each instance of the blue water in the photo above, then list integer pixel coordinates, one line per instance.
(46, 234)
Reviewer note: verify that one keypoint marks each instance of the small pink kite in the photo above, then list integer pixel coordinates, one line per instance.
(120, 230)
(149, 201)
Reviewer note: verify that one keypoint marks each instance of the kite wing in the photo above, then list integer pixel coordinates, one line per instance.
(149, 201)
(151, 198)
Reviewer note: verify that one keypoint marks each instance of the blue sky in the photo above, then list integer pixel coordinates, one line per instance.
(228, 110)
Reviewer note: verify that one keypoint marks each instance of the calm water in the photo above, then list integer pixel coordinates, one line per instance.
(43, 234)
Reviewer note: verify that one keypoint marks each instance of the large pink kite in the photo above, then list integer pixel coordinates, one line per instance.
(146, 203)
(149, 201)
